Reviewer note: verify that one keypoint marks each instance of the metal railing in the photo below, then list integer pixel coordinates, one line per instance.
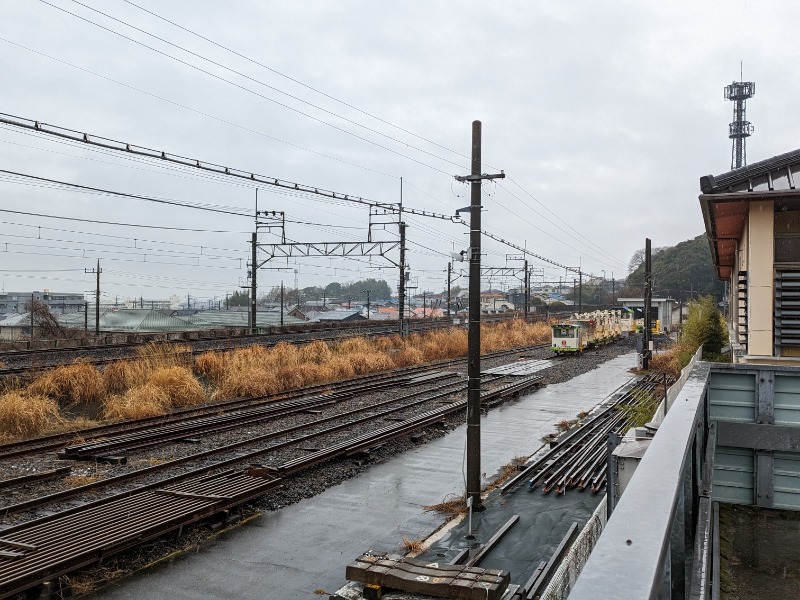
(657, 543)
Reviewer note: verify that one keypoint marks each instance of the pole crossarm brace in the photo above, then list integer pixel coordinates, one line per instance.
(471, 178)
(344, 249)
(102, 142)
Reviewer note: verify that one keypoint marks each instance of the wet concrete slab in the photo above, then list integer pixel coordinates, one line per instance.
(306, 546)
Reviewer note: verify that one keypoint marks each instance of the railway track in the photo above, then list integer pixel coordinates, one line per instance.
(361, 384)
(17, 362)
(40, 550)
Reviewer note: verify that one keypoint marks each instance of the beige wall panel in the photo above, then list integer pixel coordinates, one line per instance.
(759, 343)
(759, 317)
(762, 241)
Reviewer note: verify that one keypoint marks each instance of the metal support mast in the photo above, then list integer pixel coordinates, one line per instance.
(527, 290)
(474, 336)
(97, 272)
(740, 129)
(254, 269)
(449, 278)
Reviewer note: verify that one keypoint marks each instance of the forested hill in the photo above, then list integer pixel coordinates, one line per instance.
(679, 269)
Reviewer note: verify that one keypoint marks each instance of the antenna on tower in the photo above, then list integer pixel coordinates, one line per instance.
(738, 92)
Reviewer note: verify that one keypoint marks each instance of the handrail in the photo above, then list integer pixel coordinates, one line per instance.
(636, 540)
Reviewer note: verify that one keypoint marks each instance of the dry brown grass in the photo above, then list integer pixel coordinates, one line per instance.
(118, 377)
(408, 357)
(79, 383)
(668, 362)
(247, 383)
(259, 371)
(513, 334)
(211, 365)
(27, 415)
(315, 352)
(451, 505)
(156, 355)
(74, 481)
(181, 388)
(507, 471)
(565, 424)
(137, 403)
(412, 546)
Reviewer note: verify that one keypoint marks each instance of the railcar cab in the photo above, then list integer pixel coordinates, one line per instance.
(566, 337)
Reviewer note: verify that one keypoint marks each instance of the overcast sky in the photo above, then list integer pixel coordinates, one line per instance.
(603, 115)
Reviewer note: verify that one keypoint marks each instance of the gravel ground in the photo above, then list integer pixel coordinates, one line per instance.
(296, 487)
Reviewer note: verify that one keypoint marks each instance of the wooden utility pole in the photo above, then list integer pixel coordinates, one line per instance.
(474, 336)
(401, 290)
(648, 297)
(97, 272)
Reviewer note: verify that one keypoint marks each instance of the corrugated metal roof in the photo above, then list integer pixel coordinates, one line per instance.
(15, 320)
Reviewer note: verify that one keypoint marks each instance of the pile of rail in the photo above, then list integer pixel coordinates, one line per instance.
(579, 458)
(37, 552)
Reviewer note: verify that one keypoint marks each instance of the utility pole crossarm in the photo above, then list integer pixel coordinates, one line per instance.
(479, 177)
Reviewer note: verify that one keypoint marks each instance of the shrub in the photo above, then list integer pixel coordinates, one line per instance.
(138, 403)
(211, 365)
(178, 384)
(27, 415)
(79, 383)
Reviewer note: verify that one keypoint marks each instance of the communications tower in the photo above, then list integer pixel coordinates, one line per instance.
(738, 92)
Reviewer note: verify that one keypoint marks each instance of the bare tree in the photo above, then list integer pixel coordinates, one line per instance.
(638, 257)
(47, 323)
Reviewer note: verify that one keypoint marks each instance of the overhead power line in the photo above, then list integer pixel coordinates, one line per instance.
(260, 95)
(566, 223)
(195, 110)
(116, 223)
(249, 78)
(124, 194)
(111, 144)
(297, 81)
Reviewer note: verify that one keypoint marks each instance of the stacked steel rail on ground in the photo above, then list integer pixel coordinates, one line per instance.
(579, 458)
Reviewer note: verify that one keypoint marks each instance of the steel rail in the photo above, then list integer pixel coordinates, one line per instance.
(57, 441)
(61, 495)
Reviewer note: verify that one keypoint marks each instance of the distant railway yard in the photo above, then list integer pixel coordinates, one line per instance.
(176, 441)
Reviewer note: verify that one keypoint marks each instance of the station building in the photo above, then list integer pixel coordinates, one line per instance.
(752, 220)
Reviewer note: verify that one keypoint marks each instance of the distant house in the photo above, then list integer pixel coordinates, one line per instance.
(15, 327)
(335, 316)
